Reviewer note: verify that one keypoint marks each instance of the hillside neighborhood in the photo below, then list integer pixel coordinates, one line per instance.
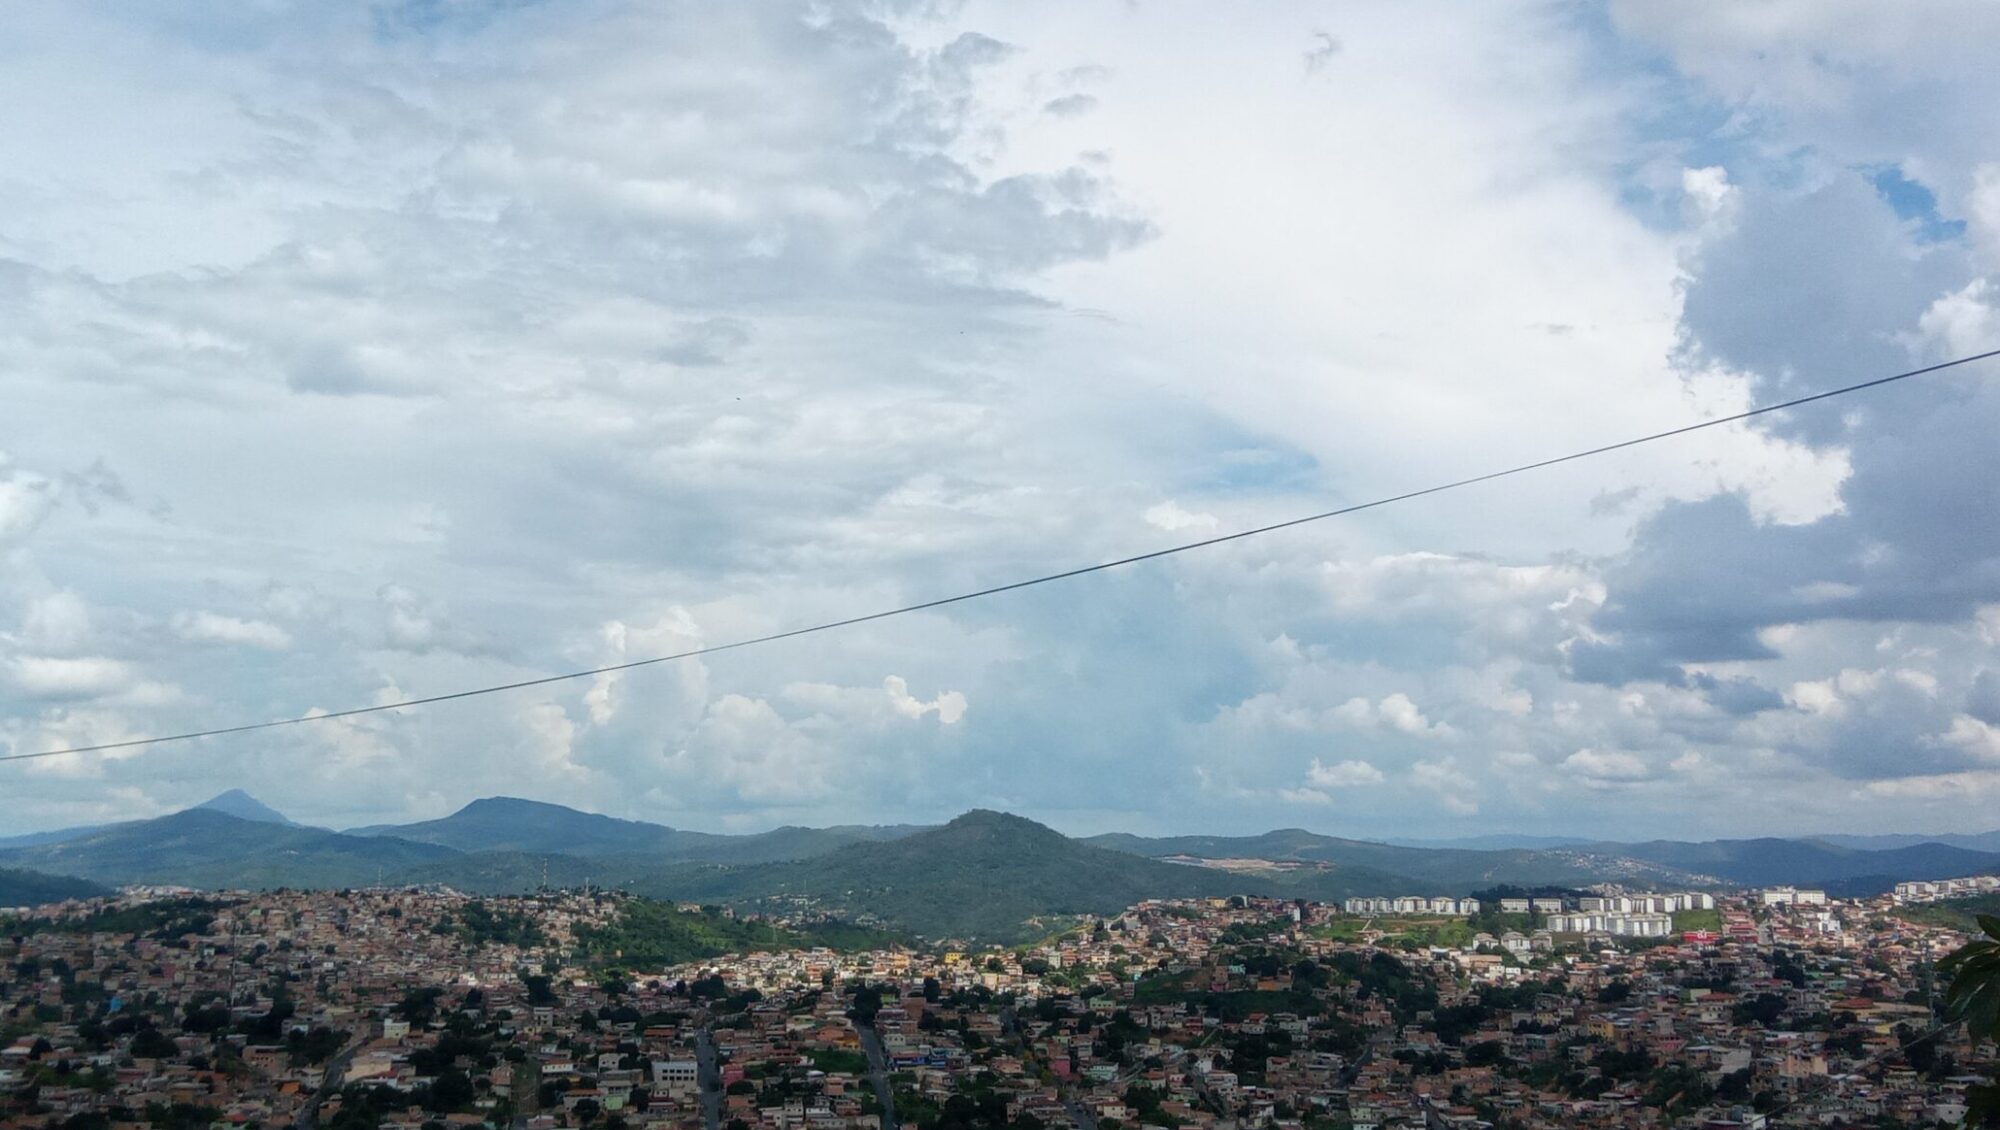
(418, 1008)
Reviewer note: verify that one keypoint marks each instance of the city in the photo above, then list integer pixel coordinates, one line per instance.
(999, 565)
(411, 1008)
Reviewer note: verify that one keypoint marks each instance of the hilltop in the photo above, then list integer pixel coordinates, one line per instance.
(19, 888)
(511, 824)
(985, 874)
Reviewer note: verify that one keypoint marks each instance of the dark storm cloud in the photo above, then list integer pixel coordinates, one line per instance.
(1811, 291)
(1814, 290)
(1983, 700)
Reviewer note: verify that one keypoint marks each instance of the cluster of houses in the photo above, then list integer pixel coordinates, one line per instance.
(1172, 1013)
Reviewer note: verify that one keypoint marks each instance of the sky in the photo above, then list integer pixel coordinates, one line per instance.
(357, 352)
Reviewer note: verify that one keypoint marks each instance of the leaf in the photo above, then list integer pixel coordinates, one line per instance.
(1974, 992)
(1982, 1105)
(1990, 924)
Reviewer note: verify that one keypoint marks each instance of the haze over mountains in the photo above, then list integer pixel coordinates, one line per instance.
(984, 874)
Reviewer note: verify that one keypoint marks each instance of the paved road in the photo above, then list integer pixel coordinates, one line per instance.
(336, 1071)
(710, 1078)
(878, 1070)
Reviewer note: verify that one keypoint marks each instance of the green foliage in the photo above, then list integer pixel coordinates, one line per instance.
(1486, 1053)
(842, 936)
(1973, 996)
(645, 933)
(453, 1091)
(313, 1047)
(836, 1061)
(181, 1116)
(34, 888)
(1685, 920)
(162, 920)
(1960, 914)
(481, 924)
(363, 1107)
(539, 989)
(1241, 932)
(151, 1043)
(1764, 1009)
(1379, 974)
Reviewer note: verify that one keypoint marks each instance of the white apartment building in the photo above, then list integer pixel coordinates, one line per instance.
(1649, 902)
(1410, 904)
(1791, 896)
(1930, 890)
(1616, 923)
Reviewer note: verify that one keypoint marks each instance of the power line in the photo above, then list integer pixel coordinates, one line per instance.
(132, 743)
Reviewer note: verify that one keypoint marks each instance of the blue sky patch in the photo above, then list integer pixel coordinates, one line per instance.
(1914, 203)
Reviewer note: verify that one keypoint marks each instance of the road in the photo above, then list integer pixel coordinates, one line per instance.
(878, 1071)
(336, 1071)
(710, 1078)
(1010, 1029)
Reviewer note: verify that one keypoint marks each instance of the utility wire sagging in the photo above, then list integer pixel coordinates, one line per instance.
(996, 590)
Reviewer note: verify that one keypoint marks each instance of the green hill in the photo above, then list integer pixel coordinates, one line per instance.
(206, 848)
(985, 875)
(1420, 870)
(510, 824)
(20, 888)
(1843, 870)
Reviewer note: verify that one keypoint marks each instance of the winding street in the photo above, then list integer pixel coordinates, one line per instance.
(710, 1078)
(336, 1071)
(878, 1071)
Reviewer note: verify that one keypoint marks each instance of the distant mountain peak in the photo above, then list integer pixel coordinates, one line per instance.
(511, 804)
(984, 823)
(243, 806)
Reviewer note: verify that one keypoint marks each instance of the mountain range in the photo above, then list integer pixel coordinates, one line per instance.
(982, 875)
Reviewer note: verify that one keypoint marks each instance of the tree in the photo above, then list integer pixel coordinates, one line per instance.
(452, 1091)
(1973, 996)
(1764, 1009)
(1734, 1087)
(150, 1043)
(539, 990)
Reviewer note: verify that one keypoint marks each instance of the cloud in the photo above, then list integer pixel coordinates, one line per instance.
(1344, 774)
(58, 622)
(212, 627)
(797, 312)
(25, 500)
(1394, 712)
(1983, 700)
(46, 677)
(1447, 784)
(1070, 105)
(949, 706)
(1976, 737)
(1170, 517)
(1602, 766)
(1325, 47)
